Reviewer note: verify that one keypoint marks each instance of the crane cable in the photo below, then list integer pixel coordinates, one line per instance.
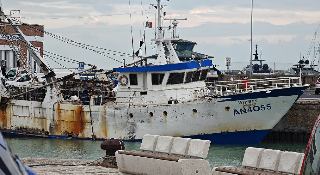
(85, 46)
(13, 44)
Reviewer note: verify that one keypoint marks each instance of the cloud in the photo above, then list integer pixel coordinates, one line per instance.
(202, 10)
(223, 14)
(232, 40)
(57, 5)
(221, 28)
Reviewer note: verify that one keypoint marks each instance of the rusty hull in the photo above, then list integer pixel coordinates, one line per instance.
(57, 120)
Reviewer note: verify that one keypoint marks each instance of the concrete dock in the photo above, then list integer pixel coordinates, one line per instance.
(50, 166)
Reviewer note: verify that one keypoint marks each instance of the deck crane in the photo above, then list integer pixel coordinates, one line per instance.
(49, 74)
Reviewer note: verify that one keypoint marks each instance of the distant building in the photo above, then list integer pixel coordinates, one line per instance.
(7, 57)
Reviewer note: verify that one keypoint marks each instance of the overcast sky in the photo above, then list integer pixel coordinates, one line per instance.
(282, 29)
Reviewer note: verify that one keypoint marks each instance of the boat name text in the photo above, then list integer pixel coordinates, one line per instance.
(255, 108)
(245, 102)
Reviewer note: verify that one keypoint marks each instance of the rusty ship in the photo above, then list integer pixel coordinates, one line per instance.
(166, 97)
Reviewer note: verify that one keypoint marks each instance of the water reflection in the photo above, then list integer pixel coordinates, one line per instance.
(219, 155)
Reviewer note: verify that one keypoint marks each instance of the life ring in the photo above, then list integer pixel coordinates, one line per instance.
(123, 80)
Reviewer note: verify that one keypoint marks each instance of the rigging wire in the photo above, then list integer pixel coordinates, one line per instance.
(62, 58)
(80, 44)
(30, 47)
(86, 46)
(48, 56)
(81, 17)
(116, 53)
(313, 45)
(26, 65)
(15, 46)
(66, 59)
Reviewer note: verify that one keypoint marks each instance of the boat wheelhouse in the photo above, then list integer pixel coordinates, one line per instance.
(162, 84)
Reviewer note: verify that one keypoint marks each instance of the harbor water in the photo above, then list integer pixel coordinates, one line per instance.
(219, 155)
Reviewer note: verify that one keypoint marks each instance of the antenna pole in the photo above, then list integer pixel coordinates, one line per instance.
(319, 57)
(160, 36)
(155, 23)
(251, 39)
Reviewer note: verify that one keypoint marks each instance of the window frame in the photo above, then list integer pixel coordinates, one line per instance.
(133, 79)
(157, 78)
(178, 79)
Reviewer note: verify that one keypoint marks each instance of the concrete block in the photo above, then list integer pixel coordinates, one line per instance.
(131, 164)
(165, 167)
(251, 157)
(270, 159)
(195, 167)
(164, 144)
(147, 165)
(119, 160)
(180, 145)
(199, 148)
(289, 162)
(300, 163)
(149, 142)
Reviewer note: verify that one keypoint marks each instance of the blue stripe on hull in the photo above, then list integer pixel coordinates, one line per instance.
(263, 94)
(239, 137)
(22, 134)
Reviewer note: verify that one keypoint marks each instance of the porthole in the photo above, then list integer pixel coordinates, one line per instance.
(165, 113)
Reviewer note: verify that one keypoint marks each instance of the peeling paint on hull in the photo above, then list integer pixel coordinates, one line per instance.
(208, 118)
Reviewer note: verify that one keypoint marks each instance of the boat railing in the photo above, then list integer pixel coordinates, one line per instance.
(222, 88)
(182, 93)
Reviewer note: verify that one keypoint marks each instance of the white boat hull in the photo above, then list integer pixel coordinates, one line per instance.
(241, 118)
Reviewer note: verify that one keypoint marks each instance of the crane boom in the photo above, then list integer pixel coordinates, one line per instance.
(36, 56)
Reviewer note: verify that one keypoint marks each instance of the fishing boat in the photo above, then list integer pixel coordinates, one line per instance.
(309, 65)
(259, 68)
(167, 97)
(304, 67)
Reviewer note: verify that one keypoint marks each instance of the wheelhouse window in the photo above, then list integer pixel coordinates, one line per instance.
(196, 76)
(192, 76)
(204, 73)
(189, 77)
(157, 79)
(176, 78)
(133, 79)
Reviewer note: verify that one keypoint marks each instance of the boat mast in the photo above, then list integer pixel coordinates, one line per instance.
(160, 35)
(251, 39)
(162, 59)
(318, 65)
